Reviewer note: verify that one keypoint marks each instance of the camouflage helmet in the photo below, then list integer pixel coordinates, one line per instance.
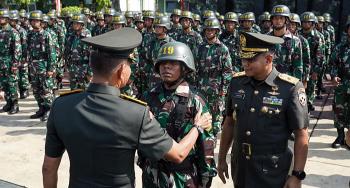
(162, 21)
(99, 16)
(36, 15)
(320, 19)
(186, 14)
(327, 17)
(264, 17)
(149, 14)
(14, 15)
(79, 18)
(248, 16)
(294, 18)
(86, 11)
(231, 16)
(4, 13)
(211, 23)
(52, 14)
(129, 14)
(196, 17)
(280, 10)
(118, 19)
(45, 18)
(23, 13)
(176, 51)
(139, 18)
(308, 17)
(176, 12)
(109, 11)
(208, 14)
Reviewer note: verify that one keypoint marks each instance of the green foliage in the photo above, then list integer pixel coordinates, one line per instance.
(71, 9)
(103, 4)
(25, 2)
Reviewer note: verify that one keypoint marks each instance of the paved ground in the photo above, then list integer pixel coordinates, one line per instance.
(22, 149)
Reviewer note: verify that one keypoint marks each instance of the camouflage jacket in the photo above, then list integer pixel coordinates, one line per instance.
(41, 51)
(214, 68)
(61, 37)
(23, 35)
(55, 42)
(331, 31)
(191, 39)
(10, 48)
(327, 42)
(162, 103)
(306, 57)
(231, 40)
(175, 31)
(316, 50)
(147, 37)
(288, 56)
(154, 46)
(340, 61)
(98, 30)
(78, 52)
(90, 25)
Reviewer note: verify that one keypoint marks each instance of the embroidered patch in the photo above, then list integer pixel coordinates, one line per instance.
(302, 96)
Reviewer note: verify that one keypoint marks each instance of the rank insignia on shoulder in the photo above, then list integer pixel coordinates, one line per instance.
(238, 74)
(288, 78)
(65, 93)
(132, 99)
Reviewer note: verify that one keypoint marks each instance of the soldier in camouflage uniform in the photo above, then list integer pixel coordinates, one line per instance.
(78, 54)
(24, 20)
(23, 80)
(214, 70)
(139, 23)
(10, 58)
(340, 72)
(59, 31)
(308, 20)
(197, 23)
(246, 22)
(42, 58)
(288, 56)
(176, 105)
(329, 28)
(221, 19)
(265, 23)
(176, 27)
(89, 23)
(231, 39)
(294, 24)
(108, 14)
(129, 19)
(100, 27)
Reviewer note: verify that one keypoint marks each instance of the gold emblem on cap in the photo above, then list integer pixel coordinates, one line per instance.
(242, 41)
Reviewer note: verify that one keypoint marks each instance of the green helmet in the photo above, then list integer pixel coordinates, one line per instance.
(264, 17)
(139, 18)
(22, 13)
(211, 23)
(176, 12)
(186, 14)
(221, 17)
(162, 21)
(231, 16)
(176, 51)
(99, 16)
(86, 11)
(294, 18)
(149, 14)
(52, 14)
(14, 15)
(208, 14)
(4, 13)
(320, 19)
(118, 19)
(196, 17)
(109, 11)
(45, 18)
(248, 16)
(280, 10)
(79, 18)
(327, 17)
(158, 14)
(36, 15)
(308, 17)
(129, 14)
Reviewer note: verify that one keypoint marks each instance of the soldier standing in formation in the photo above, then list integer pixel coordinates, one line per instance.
(176, 25)
(246, 22)
(100, 27)
(265, 23)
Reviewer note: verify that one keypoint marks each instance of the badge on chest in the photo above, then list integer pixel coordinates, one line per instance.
(240, 94)
(272, 100)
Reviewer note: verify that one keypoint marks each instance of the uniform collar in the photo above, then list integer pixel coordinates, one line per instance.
(270, 80)
(182, 90)
(104, 89)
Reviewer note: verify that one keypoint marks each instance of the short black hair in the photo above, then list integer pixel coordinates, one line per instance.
(103, 63)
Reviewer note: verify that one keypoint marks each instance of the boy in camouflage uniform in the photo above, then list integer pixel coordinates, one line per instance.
(10, 58)
(214, 71)
(178, 108)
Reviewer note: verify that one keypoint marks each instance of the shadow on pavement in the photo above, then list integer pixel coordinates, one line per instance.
(27, 131)
(327, 181)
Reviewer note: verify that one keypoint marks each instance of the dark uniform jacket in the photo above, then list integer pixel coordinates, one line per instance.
(101, 130)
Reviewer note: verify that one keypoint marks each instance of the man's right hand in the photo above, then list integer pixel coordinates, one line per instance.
(223, 171)
(203, 121)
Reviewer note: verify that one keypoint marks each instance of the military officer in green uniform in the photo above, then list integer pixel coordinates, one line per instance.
(288, 55)
(340, 72)
(10, 59)
(176, 105)
(263, 108)
(114, 125)
(176, 27)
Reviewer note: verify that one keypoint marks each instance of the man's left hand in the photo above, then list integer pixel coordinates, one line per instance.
(293, 182)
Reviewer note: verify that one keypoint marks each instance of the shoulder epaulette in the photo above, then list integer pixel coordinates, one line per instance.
(132, 99)
(65, 93)
(238, 74)
(288, 78)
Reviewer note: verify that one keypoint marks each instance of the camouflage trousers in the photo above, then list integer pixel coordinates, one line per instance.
(79, 76)
(8, 83)
(310, 90)
(341, 106)
(59, 74)
(23, 77)
(216, 105)
(42, 89)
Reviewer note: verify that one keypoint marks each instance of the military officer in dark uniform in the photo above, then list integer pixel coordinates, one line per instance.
(104, 128)
(263, 108)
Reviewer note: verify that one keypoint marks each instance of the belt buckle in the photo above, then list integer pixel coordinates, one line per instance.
(247, 149)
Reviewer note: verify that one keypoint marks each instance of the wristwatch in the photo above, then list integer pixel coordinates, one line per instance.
(199, 128)
(299, 174)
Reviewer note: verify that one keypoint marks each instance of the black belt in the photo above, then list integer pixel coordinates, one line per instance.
(251, 150)
(185, 166)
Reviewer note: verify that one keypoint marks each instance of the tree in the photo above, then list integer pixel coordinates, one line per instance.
(24, 3)
(103, 4)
